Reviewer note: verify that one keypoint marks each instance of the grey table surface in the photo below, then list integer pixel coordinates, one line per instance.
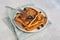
(51, 7)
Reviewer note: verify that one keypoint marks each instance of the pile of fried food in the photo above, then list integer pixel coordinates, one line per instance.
(30, 18)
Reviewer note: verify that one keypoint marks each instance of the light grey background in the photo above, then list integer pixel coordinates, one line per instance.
(51, 7)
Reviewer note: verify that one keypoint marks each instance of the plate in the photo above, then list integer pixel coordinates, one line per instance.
(19, 26)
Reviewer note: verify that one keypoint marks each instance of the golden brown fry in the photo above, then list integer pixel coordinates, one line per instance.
(33, 27)
(20, 21)
(43, 21)
(33, 20)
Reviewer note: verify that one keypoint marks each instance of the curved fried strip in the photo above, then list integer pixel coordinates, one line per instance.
(38, 18)
(33, 27)
(20, 21)
(44, 21)
(33, 20)
(37, 23)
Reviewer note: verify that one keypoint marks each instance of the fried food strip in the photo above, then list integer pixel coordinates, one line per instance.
(39, 17)
(34, 26)
(42, 20)
(33, 20)
(19, 20)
